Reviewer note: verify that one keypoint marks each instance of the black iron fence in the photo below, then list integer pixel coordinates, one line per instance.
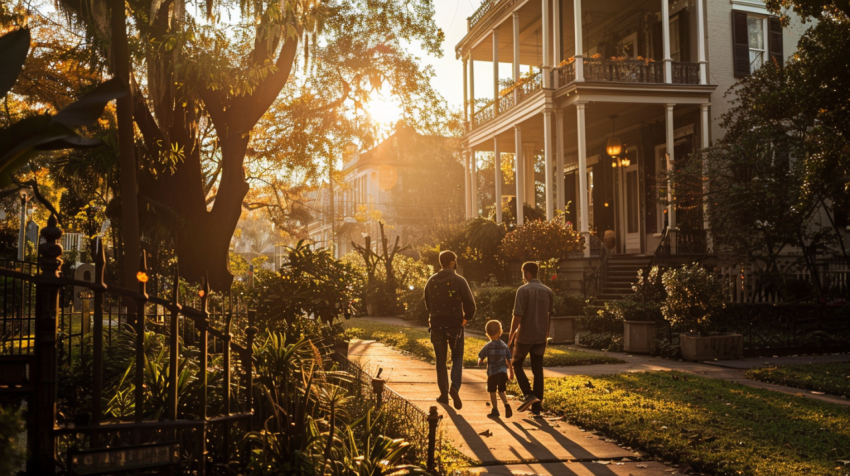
(117, 379)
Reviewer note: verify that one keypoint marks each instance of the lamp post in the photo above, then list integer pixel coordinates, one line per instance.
(22, 235)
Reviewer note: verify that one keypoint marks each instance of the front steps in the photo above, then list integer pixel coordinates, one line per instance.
(622, 273)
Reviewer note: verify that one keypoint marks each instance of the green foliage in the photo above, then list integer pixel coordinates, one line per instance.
(705, 423)
(24, 139)
(694, 297)
(541, 240)
(484, 236)
(11, 451)
(417, 341)
(832, 378)
(310, 283)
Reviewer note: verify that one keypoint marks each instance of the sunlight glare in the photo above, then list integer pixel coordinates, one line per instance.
(383, 109)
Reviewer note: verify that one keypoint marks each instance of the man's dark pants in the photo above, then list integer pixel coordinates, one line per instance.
(520, 351)
(443, 339)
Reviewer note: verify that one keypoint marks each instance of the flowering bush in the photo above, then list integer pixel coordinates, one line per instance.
(694, 297)
(541, 240)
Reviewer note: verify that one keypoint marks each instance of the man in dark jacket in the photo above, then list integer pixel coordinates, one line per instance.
(450, 306)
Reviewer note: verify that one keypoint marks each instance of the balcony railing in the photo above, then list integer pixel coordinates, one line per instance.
(528, 86)
(566, 74)
(506, 102)
(686, 73)
(626, 71)
(482, 11)
(483, 116)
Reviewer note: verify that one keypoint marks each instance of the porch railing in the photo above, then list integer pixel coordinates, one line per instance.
(566, 74)
(685, 73)
(483, 115)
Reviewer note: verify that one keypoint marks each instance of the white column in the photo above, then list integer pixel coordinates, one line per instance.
(665, 41)
(516, 53)
(497, 165)
(584, 213)
(547, 44)
(495, 72)
(557, 44)
(701, 42)
(704, 144)
(474, 178)
(671, 210)
(579, 47)
(549, 161)
(471, 88)
(519, 174)
(559, 158)
(529, 157)
(465, 94)
(467, 185)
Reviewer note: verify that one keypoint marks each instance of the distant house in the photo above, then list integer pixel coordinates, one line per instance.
(403, 181)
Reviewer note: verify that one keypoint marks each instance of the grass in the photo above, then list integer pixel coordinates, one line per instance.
(417, 341)
(832, 378)
(714, 426)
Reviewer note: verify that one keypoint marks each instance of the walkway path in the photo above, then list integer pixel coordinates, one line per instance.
(731, 370)
(518, 445)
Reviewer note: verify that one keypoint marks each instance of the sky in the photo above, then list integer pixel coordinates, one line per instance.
(451, 18)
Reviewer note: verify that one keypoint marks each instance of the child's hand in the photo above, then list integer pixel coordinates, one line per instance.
(480, 362)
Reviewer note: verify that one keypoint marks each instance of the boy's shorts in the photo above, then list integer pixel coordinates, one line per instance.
(497, 381)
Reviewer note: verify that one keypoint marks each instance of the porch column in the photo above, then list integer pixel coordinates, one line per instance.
(548, 155)
(561, 203)
(557, 44)
(704, 144)
(701, 42)
(671, 209)
(584, 214)
(471, 89)
(547, 44)
(497, 164)
(467, 188)
(467, 185)
(519, 174)
(515, 19)
(495, 72)
(579, 46)
(529, 150)
(665, 41)
(465, 94)
(474, 179)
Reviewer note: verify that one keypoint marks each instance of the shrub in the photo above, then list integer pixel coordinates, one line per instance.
(310, 283)
(11, 454)
(694, 297)
(541, 240)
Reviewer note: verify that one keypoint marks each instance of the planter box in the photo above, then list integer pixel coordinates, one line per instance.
(720, 347)
(562, 329)
(341, 348)
(639, 337)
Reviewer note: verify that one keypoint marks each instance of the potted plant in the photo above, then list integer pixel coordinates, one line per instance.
(694, 297)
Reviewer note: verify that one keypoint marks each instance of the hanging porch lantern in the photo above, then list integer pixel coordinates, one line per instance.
(614, 147)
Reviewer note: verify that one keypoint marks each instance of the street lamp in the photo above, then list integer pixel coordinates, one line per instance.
(22, 235)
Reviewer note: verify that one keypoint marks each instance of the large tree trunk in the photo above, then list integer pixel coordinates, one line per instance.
(126, 147)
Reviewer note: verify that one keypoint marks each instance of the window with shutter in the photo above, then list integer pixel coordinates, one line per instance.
(740, 44)
(775, 40)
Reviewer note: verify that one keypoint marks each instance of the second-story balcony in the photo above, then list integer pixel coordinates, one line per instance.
(616, 43)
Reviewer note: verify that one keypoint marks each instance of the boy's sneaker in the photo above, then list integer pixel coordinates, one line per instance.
(455, 398)
(508, 412)
(528, 401)
(494, 414)
(444, 399)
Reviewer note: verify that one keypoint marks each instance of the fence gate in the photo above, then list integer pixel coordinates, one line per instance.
(113, 380)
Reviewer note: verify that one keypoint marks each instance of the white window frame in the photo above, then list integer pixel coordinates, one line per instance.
(766, 45)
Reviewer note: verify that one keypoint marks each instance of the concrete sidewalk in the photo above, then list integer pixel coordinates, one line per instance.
(518, 445)
(730, 370)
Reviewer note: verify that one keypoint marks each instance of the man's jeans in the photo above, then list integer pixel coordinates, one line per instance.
(520, 352)
(443, 339)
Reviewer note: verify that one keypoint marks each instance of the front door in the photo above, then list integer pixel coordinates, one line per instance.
(630, 203)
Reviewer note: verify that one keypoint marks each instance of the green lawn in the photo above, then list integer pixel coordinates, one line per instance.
(716, 427)
(417, 341)
(832, 378)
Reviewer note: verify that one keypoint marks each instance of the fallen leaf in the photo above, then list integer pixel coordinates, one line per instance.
(603, 462)
(640, 466)
(818, 393)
